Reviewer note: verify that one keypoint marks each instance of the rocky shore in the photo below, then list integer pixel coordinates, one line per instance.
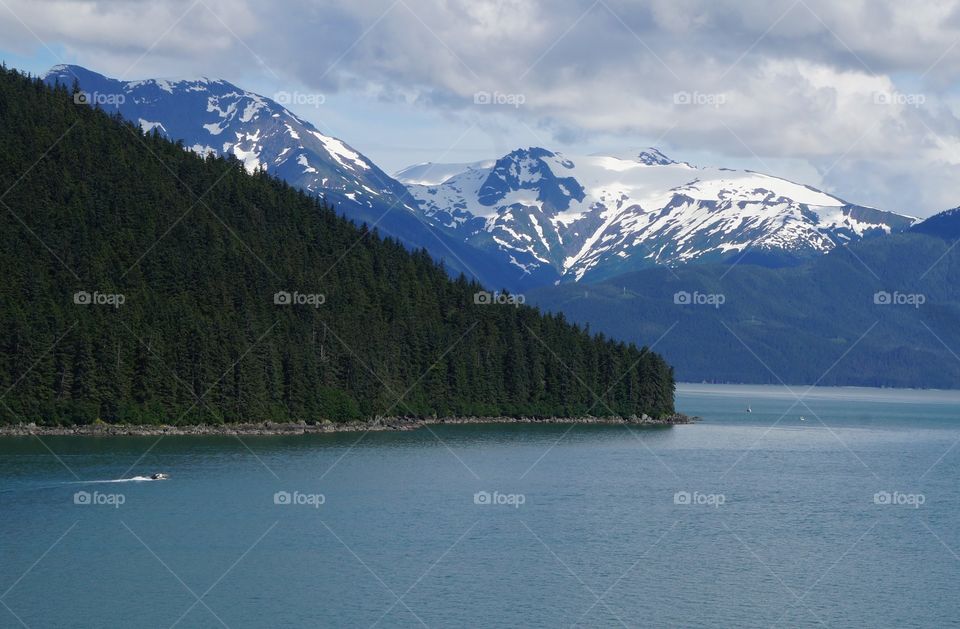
(303, 428)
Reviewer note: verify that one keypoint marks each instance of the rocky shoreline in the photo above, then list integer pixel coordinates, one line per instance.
(303, 428)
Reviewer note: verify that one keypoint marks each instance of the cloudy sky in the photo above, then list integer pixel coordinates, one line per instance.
(857, 97)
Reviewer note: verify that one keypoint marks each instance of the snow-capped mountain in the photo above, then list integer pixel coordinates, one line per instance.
(575, 217)
(216, 117)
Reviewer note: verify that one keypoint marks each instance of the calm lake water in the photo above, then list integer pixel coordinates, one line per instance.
(850, 518)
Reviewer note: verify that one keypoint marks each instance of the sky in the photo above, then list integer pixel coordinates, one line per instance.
(858, 98)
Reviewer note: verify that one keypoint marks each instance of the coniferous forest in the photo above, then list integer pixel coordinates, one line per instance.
(794, 324)
(142, 283)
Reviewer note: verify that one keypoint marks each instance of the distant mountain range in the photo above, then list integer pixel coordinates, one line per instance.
(884, 312)
(531, 218)
(569, 218)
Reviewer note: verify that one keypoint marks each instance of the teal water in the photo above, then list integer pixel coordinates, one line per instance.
(783, 526)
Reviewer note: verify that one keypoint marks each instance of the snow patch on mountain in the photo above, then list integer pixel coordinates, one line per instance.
(430, 174)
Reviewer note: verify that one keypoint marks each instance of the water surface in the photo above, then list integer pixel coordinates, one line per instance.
(745, 519)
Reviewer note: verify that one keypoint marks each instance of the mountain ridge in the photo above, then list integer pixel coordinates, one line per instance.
(613, 214)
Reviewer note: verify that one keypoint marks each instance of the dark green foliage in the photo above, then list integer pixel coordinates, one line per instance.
(198, 248)
(815, 323)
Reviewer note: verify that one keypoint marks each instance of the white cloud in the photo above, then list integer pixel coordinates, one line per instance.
(778, 79)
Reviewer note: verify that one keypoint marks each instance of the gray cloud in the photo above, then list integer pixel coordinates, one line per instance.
(855, 88)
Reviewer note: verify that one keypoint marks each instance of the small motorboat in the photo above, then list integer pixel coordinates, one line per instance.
(159, 476)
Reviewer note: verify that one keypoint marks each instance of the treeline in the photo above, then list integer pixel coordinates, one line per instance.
(141, 283)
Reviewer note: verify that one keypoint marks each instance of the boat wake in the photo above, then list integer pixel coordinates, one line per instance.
(135, 479)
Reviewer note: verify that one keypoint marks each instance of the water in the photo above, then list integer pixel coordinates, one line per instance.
(783, 526)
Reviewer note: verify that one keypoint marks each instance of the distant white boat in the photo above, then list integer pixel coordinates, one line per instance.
(802, 418)
(749, 410)
(159, 476)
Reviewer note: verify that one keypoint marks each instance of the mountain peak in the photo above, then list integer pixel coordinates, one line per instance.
(653, 157)
(60, 68)
(69, 71)
(532, 152)
(535, 169)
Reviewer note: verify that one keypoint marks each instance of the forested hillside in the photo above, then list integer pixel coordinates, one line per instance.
(141, 283)
(880, 313)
